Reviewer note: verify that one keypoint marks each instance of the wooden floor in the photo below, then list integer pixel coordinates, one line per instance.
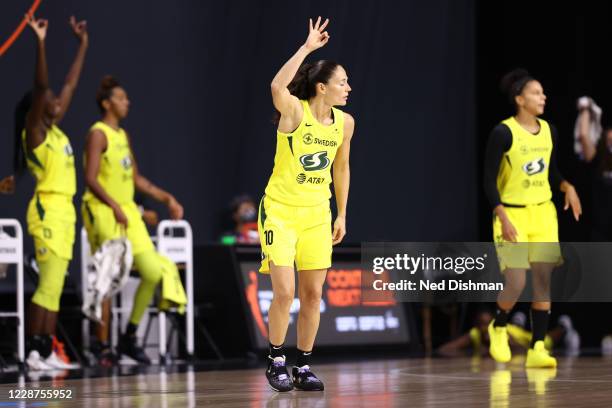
(460, 383)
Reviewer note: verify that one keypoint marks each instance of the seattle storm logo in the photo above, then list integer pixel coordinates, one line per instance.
(126, 162)
(534, 167)
(68, 150)
(315, 161)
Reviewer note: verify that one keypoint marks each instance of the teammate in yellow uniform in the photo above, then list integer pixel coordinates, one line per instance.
(108, 208)
(294, 214)
(520, 168)
(478, 337)
(45, 150)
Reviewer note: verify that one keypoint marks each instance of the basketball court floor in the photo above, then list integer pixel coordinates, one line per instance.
(460, 382)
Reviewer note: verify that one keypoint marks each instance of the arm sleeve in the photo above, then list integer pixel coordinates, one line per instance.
(500, 141)
(554, 175)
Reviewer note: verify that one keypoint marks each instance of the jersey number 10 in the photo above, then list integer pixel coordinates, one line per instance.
(269, 237)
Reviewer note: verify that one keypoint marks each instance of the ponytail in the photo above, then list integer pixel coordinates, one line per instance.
(304, 84)
(21, 111)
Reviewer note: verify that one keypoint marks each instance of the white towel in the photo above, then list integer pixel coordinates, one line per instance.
(107, 272)
(595, 127)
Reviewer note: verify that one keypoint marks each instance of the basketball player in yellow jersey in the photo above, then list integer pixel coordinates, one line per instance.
(294, 215)
(108, 206)
(45, 150)
(520, 170)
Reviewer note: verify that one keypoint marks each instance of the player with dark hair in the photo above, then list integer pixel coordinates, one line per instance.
(109, 210)
(295, 224)
(520, 170)
(42, 147)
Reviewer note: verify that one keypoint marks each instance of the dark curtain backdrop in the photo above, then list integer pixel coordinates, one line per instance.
(567, 46)
(569, 52)
(198, 74)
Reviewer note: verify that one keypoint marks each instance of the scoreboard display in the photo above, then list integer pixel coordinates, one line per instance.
(345, 319)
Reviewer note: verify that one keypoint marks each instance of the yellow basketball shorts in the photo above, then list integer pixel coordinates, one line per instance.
(300, 235)
(537, 237)
(51, 221)
(101, 226)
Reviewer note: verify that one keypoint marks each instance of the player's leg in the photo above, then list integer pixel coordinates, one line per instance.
(149, 268)
(45, 305)
(514, 283)
(544, 255)
(310, 286)
(537, 355)
(513, 261)
(313, 258)
(278, 253)
(102, 348)
(283, 288)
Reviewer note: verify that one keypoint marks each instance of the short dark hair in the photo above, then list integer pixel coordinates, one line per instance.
(105, 90)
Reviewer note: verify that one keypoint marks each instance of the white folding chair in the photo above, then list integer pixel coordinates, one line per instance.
(11, 252)
(175, 241)
(178, 248)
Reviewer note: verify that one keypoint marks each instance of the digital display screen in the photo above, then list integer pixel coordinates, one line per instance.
(344, 319)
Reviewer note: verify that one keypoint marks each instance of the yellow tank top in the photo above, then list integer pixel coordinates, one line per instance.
(116, 173)
(523, 173)
(303, 160)
(52, 163)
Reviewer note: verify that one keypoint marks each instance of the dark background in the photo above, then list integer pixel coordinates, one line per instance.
(198, 75)
(425, 95)
(565, 46)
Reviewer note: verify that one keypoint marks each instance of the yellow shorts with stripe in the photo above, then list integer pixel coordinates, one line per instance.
(537, 237)
(300, 235)
(100, 224)
(51, 222)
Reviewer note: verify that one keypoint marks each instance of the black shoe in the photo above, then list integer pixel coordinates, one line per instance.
(104, 354)
(305, 380)
(128, 347)
(278, 376)
(108, 359)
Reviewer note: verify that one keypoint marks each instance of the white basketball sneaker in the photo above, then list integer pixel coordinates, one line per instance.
(36, 363)
(55, 362)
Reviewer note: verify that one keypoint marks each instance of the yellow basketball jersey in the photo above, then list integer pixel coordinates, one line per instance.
(303, 160)
(52, 163)
(523, 173)
(116, 173)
